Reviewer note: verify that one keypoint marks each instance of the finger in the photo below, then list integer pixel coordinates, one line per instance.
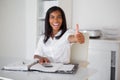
(77, 28)
(41, 61)
(46, 60)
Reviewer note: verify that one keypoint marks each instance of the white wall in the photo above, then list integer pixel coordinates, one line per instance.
(31, 23)
(66, 5)
(17, 28)
(96, 13)
(12, 28)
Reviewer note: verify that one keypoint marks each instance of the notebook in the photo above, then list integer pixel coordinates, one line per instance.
(45, 67)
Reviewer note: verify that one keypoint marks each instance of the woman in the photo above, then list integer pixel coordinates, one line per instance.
(54, 45)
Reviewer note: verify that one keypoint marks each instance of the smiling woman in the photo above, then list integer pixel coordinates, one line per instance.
(54, 45)
(19, 27)
(55, 21)
(55, 16)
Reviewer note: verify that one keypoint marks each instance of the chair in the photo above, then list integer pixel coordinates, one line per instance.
(79, 52)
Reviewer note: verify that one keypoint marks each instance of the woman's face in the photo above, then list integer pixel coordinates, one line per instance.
(55, 20)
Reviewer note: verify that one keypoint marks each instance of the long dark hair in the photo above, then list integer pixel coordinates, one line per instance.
(48, 28)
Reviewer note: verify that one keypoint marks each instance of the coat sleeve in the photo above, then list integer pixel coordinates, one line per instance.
(39, 50)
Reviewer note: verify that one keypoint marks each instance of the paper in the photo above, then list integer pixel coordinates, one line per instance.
(54, 68)
(35, 66)
(16, 66)
(68, 67)
(3, 78)
(20, 65)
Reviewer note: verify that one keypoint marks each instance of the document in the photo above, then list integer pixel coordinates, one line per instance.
(45, 67)
(3, 78)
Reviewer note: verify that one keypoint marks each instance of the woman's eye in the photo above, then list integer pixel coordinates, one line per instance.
(59, 17)
(55, 17)
(52, 17)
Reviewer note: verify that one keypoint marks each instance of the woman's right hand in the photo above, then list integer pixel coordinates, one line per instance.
(41, 60)
(44, 60)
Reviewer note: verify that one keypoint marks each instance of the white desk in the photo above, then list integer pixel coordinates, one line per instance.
(82, 73)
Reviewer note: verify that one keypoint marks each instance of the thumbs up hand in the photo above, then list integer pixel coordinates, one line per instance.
(79, 37)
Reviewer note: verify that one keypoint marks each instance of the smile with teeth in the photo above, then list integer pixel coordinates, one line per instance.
(56, 24)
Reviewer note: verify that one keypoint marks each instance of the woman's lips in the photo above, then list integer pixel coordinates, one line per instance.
(56, 25)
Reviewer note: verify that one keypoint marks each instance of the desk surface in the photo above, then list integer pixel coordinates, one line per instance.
(81, 74)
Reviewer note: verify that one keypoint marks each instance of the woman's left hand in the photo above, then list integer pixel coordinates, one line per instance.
(78, 35)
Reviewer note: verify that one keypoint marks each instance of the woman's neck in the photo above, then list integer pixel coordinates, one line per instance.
(54, 33)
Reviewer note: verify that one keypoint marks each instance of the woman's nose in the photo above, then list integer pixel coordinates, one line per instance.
(56, 19)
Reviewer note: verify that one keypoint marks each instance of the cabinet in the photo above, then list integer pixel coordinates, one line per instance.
(42, 7)
(104, 56)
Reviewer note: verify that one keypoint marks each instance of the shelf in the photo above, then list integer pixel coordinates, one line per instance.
(44, 6)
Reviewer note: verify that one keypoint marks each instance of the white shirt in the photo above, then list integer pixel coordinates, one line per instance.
(56, 50)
